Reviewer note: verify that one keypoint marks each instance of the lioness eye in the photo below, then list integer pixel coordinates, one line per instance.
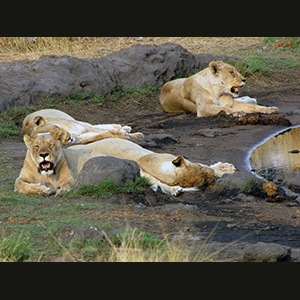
(36, 147)
(50, 145)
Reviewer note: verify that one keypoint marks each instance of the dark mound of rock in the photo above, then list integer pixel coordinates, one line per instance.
(23, 83)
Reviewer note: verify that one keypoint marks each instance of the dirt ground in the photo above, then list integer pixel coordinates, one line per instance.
(191, 212)
(205, 140)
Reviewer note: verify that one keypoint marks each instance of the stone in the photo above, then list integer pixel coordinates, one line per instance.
(70, 233)
(266, 252)
(98, 169)
(240, 182)
(292, 181)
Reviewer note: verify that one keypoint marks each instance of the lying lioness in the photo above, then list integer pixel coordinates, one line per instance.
(49, 169)
(208, 92)
(81, 132)
(172, 174)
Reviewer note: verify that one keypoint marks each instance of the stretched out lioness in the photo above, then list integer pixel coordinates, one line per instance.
(208, 92)
(81, 132)
(171, 174)
(49, 169)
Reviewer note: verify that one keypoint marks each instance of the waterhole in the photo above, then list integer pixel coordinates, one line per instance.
(277, 156)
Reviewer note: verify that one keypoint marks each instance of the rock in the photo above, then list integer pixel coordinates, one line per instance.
(156, 140)
(98, 169)
(292, 181)
(70, 233)
(211, 133)
(239, 182)
(23, 83)
(266, 252)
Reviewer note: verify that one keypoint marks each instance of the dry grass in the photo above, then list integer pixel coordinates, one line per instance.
(30, 48)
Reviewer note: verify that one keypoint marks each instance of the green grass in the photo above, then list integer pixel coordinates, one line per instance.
(108, 188)
(253, 61)
(134, 93)
(14, 249)
(29, 222)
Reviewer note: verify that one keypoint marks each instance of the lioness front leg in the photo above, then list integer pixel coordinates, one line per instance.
(31, 188)
(207, 110)
(254, 108)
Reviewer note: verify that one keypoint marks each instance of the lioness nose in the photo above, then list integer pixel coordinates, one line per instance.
(244, 80)
(44, 155)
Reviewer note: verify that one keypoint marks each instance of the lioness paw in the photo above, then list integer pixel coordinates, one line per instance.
(238, 114)
(137, 135)
(44, 190)
(272, 110)
(61, 192)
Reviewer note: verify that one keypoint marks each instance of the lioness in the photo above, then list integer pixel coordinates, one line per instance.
(81, 132)
(49, 169)
(169, 173)
(209, 92)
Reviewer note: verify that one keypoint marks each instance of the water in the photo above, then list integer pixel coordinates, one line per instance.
(277, 155)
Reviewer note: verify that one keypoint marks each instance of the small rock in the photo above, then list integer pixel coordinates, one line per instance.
(266, 252)
(69, 233)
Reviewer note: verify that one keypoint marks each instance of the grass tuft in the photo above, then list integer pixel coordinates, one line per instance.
(108, 188)
(14, 249)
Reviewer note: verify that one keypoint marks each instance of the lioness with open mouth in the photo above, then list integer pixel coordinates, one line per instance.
(50, 169)
(210, 91)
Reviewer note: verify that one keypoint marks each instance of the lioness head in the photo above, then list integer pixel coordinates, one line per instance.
(45, 150)
(39, 125)
(176, 170)
(229, 79)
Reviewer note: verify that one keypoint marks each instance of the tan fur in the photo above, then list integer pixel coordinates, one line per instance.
(208, 92)
(159, 168)
(81, 132)
(67, 164)
(44, 148)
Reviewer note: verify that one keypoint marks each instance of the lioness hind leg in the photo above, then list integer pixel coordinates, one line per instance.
(89, 137)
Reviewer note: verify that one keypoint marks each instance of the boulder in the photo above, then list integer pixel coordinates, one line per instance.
(23, 83)
(266, 252)
(292, 181)
(239, 182)
(98, 169)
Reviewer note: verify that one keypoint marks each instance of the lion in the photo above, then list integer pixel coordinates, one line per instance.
(80, 132)
(166, 172)
(210, 91)
(49, 169)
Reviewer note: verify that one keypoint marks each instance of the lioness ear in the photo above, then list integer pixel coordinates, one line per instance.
(214, 67)
(39, 121)
(62, 136)
(27, 140)
(178, 161)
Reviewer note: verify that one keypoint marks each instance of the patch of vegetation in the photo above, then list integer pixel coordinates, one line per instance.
(14, 249)
(108, 188)
(134, 93)
(252, 61)
(251, 186)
